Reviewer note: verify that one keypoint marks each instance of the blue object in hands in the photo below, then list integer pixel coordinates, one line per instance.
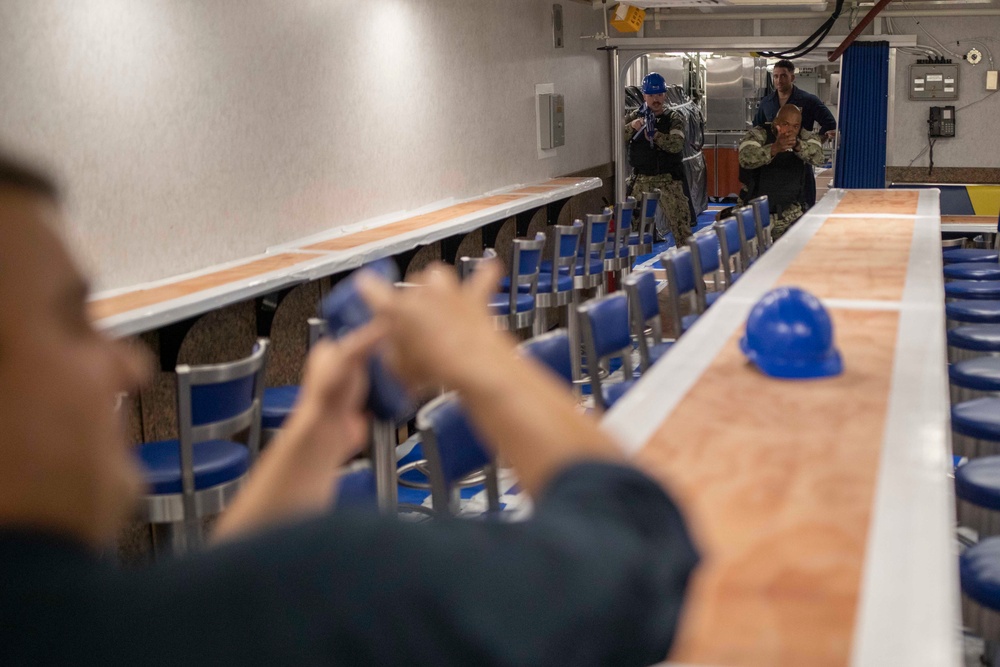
(344, 311)
(789, 334)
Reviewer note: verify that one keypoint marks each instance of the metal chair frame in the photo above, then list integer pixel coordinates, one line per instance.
(565, 246)
(621, 264)
(729, 229)
(595, 239)
(644, 314)
(705, 262)
(647, 223)
(669, 261)
(762, 213)
(181, 512)
(443, 494)
(587, 312)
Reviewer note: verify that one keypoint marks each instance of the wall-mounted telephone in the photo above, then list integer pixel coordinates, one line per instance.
(941, 122)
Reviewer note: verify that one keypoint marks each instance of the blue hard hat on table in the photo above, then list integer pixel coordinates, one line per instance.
(653, 84)
(789, 334)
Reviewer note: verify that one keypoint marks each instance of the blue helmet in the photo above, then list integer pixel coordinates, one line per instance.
(653, 84)
(789, 335)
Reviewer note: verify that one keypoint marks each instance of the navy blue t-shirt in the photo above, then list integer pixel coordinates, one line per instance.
(596, 577)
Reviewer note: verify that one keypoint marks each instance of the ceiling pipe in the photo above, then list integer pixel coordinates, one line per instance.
(862, 24)
(900, 14)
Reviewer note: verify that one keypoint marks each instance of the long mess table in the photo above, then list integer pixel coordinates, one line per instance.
(823, 508)
(137, 308)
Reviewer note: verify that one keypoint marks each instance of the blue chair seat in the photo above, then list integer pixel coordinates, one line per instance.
(975, 311)
(977, 337)
(981, 373)
(623, 252)
(973, 271)
(979, 571)
(688, 321)
(277, 405)
(957, 460)
(612, 392)
(215, 462)
(978, 482)
(711, 297)
(563, 283)
(657, 351)
(973, 289)
(978, 418)
(633, 239)
(960, 255)
(596, 266)
(500, 303)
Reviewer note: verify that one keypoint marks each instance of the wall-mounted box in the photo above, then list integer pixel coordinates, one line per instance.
(934, 82)
(626, 18)
(551, 117)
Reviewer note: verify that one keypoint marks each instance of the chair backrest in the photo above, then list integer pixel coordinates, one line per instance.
(218, 401)
(553, 351)
(525, 261)
(647, 221)
(565, 247)
(644, 312)
(705, 259)
(750, 247)
(451, 445)
(729, 234)
(623, 223)
(679, 267)
(594, 240)
(762, 210)
(604, 324)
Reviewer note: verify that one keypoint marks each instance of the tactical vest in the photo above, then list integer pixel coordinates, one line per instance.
(784, 179)
(650, 160)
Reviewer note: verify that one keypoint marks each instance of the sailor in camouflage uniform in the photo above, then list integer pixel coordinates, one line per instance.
(654, 136)
(777, 160)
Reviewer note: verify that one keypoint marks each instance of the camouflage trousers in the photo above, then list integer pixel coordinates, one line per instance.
(781, 223)
(674, 202)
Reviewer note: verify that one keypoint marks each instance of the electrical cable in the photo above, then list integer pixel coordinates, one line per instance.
(966, 106)
(811, 42)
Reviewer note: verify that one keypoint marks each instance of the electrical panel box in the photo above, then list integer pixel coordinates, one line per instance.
(941, 122)
(551, 116)
(938, 81)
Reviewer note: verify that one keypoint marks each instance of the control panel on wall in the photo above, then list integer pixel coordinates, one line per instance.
(937, 81)
(552, 121)
(941, 122)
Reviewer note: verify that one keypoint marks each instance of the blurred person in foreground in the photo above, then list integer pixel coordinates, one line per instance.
(596, 577)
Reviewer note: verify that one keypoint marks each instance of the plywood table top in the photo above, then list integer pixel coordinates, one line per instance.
(822, 508)
(778, 490)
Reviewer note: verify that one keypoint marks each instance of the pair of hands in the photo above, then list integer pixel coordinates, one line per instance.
(434, 334)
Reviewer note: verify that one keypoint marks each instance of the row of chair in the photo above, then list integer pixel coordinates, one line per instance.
(972, 291)
(220, 402)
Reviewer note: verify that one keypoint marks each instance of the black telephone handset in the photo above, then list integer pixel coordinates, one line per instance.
(941, 122)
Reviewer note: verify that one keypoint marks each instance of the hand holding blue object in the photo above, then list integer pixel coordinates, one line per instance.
(344, 311)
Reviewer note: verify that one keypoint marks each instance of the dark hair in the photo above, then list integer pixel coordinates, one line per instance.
(786, 64)
(15, 174)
